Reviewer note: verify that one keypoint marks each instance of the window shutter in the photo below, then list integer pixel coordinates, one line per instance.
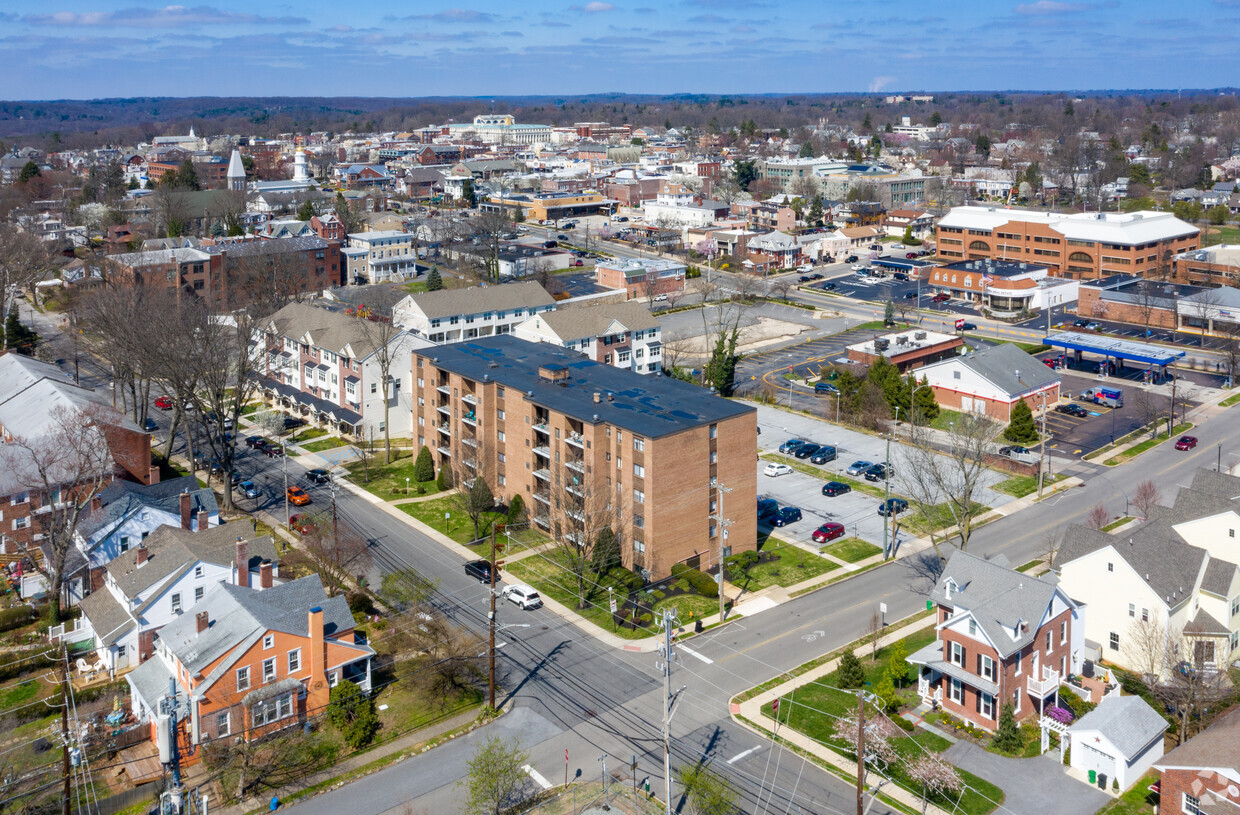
(963, 656)
(979, 664)
(977, 700)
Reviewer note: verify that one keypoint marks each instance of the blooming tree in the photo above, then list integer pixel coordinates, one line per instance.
(880, 733)
(935, 776)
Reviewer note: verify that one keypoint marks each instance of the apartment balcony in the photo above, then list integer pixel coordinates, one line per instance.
(470, 463)
(444, 409)
(543, 498)
(445, 390)
(471, 442)
(469, 399)
(543, 475)
(543, 521)
(543, 450)
(576, 465)
(1046, 685)
(444, 451)
(544, 428)
(575, 515)
(575, 490)
(576, 440)
(445, 429)
(470, 418)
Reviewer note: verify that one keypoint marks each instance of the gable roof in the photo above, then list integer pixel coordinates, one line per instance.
(1128, 722)
(1168, 565)
(579, 322)
(172, 550)
(1006, 367)
(997, 597)
(338, 332)
(121, 499)
(475, 300)
(1216, 747)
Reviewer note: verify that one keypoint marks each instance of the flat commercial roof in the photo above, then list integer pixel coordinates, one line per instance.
(1120, 349)
(902, 264)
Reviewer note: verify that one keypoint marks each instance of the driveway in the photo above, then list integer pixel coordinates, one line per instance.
(1032, 786)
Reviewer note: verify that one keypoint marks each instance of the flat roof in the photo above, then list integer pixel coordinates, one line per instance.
(1120, 349)
(996, 268)
(650, 406)
(903, 342)
(900, 263)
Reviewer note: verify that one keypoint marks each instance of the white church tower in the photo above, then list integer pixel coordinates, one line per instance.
(299, 166)
(236, 171)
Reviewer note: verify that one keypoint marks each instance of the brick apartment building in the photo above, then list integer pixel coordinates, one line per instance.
(1082, 246)
(589, 446)
(640, 277)
(226, 274)
(1003, 637)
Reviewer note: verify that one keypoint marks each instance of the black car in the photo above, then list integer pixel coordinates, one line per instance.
(480, 570)
(824, 454)
(805, 278)
(254, 441)
(273, 450)
(807, 450)
(1013, 450)
(892, 506)
(899, 276)
(786, 515)
(850, 259)
(968, 326)
(292, 421)
(319, 476)
(879, 472)
(1072, 409)
(910, 295)
(561, 237)
(767, 506)
(149, 424)
(834, 488)
(1080, 323)
(828, 286)
(825, 387)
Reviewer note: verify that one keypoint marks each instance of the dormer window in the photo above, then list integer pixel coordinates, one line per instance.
(950, 588)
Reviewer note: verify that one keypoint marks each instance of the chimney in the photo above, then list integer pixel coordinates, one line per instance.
(264, 574)
(153, 476)
(243, 562)
(141, 554)
(204, 621)
(185, 510)
(204, 519)
(317, 698)
(598, 397)
(96, 503)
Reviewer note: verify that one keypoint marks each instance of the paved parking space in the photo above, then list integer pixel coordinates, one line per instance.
(856, 510)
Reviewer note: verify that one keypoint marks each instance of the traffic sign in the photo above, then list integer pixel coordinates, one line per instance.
(775, 705)
(613, 605)
(959, 324)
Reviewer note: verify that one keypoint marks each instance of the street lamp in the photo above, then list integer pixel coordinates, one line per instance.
(406, 485)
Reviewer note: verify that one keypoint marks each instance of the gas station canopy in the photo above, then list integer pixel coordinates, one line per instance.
(1142, 352)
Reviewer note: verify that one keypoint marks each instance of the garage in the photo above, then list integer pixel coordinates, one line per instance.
(1116, 742)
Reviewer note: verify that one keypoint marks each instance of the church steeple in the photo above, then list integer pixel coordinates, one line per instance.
(236, 171)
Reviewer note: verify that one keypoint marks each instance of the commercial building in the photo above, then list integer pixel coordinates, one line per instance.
(625, 335)
(1082, 246)
(787, 171)
(906, 349)
(590, 447)
(1127, 298)
(552, 206)
(641, 277)
(452, 315)
(1004, 287)
(991, 380)
(381, 257)
(501, 129)
(1211, 266)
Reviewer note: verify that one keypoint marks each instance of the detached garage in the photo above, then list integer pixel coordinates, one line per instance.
(1118, 740)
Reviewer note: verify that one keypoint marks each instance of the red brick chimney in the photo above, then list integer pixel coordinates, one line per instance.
(186, 513)
(153, 476)
(243, 562)
(319, 692)
(204, 621)
(96, 503)
(141, 554)
(204, 520)
(264, 574)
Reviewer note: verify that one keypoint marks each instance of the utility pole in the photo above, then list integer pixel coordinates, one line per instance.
(669, 622)
(168, 708)
(724, 523)
(64, 723)
(491, 620)
(335, 523)
(860, 751)
(1042, 449)
(284, 464)
(887, 489)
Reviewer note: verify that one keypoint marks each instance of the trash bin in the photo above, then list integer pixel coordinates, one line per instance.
(1102, 781)
(1093, 776)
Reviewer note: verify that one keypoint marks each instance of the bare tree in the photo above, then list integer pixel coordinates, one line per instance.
(1098, 517)
(24, 260)
(490, 227)
(1146, 406)
(265, 276)
(956, 476)
(173, 209)
(340, 553)
(581, 518)
(1193, 678)
(386, 339)
(1145, 648)
(1146, 300)
(473, 472)
(1146, 497)
(874, 631)
(65, 463)
(1052, 540)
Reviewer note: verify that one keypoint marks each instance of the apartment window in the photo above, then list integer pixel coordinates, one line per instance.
(374, 387)
(714, 457)
(198, 571)
(176, 603)
(243, 679)
(986, 668)
(21, 523)
(20, 498)
(1063, 632)
(125, 547)
(272, 710)
(1110, 567)
(499, 392)
(1191, 804)
(333, 679)
(1231, 533)
(956, 656)
(269, 670)
(1048, 641)
(972, 627)
(987, 705)
(1235, 606)
(639, 521)
(222, 724)
(1114, 641)
(955, 691)
(269, 641)
(502, 458)
(1132, 610)
(198, 592)
(499, 414)
(499, 435)
(294, 660)
(639, 444)
(639, 497)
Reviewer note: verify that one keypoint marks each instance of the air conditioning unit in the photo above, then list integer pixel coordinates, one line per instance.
(920, 335)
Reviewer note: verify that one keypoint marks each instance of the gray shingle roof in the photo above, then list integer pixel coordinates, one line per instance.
(122, 499)
(1001, 363)
(1205, 623)
(108, 618)
(1217, 579)
(998, 598)
(580, 322)
(1128, 722)
(171, 550)
(1167, 564)
(1216, 746)
(451, 302)
(326, 328)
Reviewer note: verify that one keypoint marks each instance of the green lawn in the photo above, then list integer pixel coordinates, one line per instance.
(415, 286)
(387, 481)
(1138, 800)
(879, 325)
(794, 565)
(552, 579)
(324, 444)
(689, 607)
(1230, 400)
(852, 550)
(814, 709)
(1138, 449)
(1221, 234)
(945, 418)
(1117, 523)
(930, 519)
(1019, 486)
(251, 409)
(457, 525)
(308, 434)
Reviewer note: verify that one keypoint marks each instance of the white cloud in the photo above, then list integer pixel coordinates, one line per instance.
(166, 17)
(596, 6)
(880, 82)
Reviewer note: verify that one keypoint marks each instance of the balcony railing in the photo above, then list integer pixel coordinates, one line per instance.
(543, 497)
(575, 439)
(469, 441)
(445, 390)
(543, 521)
(444, 450)
(542, 450)
(445, 429)
(444, 409)
(1045, 686)
(469, 399)
(543, 475)
(543, 427)
(470, 418)
(575, 464)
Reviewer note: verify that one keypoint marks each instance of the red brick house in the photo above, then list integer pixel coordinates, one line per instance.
(1202, 776)
(1003, 637)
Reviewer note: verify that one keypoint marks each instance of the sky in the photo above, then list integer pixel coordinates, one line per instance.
(78, 49)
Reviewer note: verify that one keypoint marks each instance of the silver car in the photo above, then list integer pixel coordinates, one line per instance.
(859, 467)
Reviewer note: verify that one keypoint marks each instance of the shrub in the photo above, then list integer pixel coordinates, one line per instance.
(424, 467)
(360, 603)
(629, 579)
(352, 712)
(701, 582)
(645, 619)
(16, 617)
(904, 724)
(1007, 738)
(516, 509)
(682, 585)
(851, 674)
(658, 595)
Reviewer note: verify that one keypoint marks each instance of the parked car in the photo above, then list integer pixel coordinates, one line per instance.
(834, 488)
(850, 259)
(775, 470)
(248, 488)
(622, 220)
(968, 326)
(828, 286)
(858, 467)
(899, 276)
(319, 476)
(911, 255)
(163, 403)
(254, 441)
(301, 524)
(824, 454)
(480, 570)
(561, 237)
(791, 445)
(785, 516)
(217, 466)
(825, 387)
(1014, 450)
(941, 297)
(896, 246)
(807, 450)
(658, 298)
(879, 472)
(149, 424)
(577, 262)
(1080, 323)
(910, 295)
(1186, 443)
(298, 497)
(828, 532)
(291, 422)
(1072, 409)
(892, 506)
(273, 450)
(523, 595)
(766, 507)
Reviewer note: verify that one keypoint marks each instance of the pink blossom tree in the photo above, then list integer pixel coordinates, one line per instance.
(935, 776)
(880, 733)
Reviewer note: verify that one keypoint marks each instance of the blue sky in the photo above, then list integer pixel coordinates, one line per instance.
(96, 48)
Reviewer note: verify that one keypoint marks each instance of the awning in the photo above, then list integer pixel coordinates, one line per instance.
(932, 657)
(271, 691)
(1119, 349)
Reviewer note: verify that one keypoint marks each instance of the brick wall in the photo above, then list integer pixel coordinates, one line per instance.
(1091, 304)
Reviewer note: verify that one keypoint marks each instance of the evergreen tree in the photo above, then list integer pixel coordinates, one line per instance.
(867, 125)
(721, 368)
(885, 689)
(444, 480)
(936, 118)
(925, 408)
(1022, 429)
(433, 280)
(186, 176)
(424, 466)
(606, 555)
(807, 150)
(744, 173)
(516, 509)
(1007, 738)
(815, 210)
(851, 674)
(306, 211)
(467, 193)
(17, 336)
(889, 312)
(29, 171)
(352, 712)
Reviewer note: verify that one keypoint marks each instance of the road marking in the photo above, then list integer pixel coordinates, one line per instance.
(739, 756)
(537, 776)
(693, 653)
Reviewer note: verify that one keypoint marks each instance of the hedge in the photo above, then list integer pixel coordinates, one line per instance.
(701, 582)
(16, 617)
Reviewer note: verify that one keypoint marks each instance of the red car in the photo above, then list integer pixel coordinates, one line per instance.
(163, 403)
(1186, 443)
(301, 524)
(941, 297)
(828, 532)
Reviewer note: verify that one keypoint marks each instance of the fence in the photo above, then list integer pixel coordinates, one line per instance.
(124, 800)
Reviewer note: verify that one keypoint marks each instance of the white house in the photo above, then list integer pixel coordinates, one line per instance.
(124, 513)
(621, 334)
(991, 381)
(381, 257)
(1119, 740)
(674, 206)
(157, 581)
(452, 315)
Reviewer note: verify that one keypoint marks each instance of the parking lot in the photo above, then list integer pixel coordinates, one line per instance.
(856, 510)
